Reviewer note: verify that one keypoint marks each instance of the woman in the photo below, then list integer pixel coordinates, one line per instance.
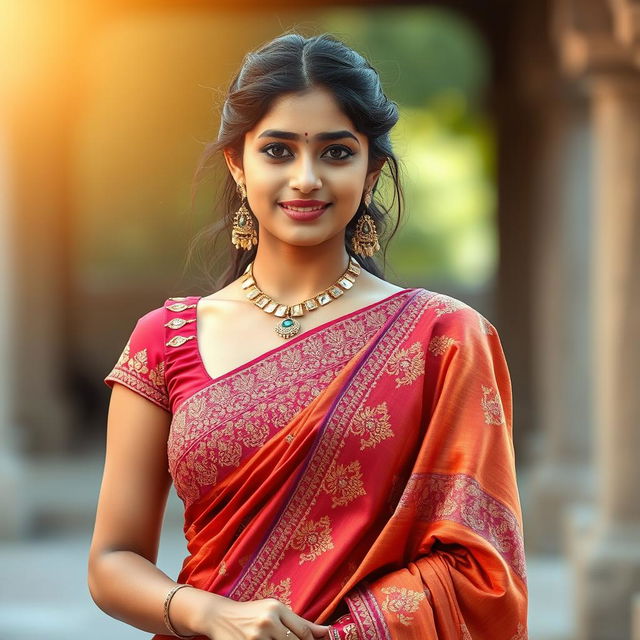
(342, 446)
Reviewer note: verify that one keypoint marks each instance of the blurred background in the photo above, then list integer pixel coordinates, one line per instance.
(520, 143)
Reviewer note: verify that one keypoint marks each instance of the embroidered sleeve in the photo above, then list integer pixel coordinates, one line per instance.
(140, 367)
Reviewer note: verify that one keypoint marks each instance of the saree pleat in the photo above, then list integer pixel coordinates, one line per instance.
(391, 495)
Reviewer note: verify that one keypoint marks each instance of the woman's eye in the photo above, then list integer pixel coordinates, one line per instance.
(277, 151)
(339, 153)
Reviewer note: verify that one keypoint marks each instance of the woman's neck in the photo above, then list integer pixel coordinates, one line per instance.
(290, 274)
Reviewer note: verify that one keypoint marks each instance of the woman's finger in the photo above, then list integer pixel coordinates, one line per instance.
(287, 634)
(299, 628)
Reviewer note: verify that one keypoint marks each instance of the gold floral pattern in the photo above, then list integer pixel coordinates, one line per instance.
(280, 591)
(461, 499)
(492, 406)
(344, 483)
(445, 304)
(485, 326)
(156, 375)
(350, 632)
(312, 539)
(133, 371)
(139, 362)
(407, 364)
(439, 345)
(402, 602)
(373, 423)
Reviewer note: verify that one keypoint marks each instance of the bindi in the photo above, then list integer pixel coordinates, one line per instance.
(306, 137)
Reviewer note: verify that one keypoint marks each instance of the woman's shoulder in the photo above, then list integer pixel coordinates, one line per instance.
(445, 311)
(174, 304)
(150, 327)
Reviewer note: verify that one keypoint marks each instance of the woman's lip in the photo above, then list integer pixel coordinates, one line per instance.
(304, 215)
(303, 203)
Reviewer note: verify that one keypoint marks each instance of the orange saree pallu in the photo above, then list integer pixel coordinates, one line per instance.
(385, 501)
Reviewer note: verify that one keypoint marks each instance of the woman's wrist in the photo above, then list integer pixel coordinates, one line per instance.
(190, 609)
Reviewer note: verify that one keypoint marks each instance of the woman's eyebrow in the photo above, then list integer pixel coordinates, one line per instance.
(325, 135)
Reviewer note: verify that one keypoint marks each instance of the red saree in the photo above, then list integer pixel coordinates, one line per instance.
(362, 473)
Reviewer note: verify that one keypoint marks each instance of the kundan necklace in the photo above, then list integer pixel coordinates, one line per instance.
(289, 326)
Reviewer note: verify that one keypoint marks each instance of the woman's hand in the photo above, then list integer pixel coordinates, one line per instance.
(268, 619)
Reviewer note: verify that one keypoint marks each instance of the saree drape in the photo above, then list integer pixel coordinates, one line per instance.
(386, 503)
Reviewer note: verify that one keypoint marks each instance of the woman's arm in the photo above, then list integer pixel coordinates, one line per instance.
(123, 578)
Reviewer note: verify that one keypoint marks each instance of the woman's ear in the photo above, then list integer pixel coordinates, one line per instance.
(373, 175)
(234, 163)
(371, 179)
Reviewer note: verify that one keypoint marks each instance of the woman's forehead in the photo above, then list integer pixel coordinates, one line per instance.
(307, 112)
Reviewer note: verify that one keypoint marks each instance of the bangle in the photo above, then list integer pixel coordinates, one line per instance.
(167, 600)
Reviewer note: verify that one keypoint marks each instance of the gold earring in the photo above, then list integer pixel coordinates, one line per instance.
(243, 233)
(365, 238)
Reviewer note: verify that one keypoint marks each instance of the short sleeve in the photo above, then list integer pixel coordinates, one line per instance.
(141, 366)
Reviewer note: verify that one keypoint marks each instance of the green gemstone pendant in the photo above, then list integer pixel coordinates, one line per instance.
(288, 328)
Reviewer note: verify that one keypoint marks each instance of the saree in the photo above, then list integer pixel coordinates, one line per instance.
(363, 473)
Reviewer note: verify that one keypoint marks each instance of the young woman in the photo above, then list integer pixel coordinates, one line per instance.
(342, 445)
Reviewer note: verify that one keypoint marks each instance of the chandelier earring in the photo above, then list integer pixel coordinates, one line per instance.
(243, 233)
(365, 238)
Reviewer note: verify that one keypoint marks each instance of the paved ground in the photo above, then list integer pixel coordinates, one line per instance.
(43, 590)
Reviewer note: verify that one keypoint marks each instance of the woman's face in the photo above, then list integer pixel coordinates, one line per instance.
(305, 168)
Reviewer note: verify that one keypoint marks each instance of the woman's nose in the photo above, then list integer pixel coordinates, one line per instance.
(305, 177)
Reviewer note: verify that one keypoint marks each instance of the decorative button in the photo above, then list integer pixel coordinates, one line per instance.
(177, 341)
(180, 306)
(177, 323)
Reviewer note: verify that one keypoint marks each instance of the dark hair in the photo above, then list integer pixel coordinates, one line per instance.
(292, 63)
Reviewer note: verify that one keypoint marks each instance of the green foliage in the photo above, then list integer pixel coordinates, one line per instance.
(419, 52)
(435, 66)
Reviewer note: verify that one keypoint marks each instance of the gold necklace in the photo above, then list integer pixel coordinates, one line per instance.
(289, 326)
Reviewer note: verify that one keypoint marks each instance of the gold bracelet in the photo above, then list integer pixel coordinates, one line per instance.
(167, 600)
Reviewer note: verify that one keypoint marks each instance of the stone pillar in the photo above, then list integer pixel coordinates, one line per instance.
(563, 474)
(607, 557)
(610, 569)
(547, 184)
